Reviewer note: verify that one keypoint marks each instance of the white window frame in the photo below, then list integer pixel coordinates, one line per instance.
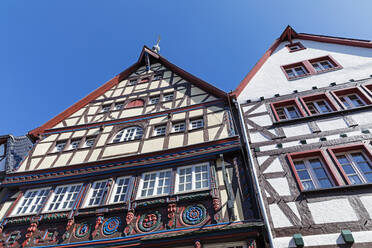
(294, 72)
(73, 142)
(310, 170)
(64, 198)
(196, 121)
(154, 100)
(348, 156)
(350, 102)
(168, 97)
(88, 139)
(286, 112)
(115, 186)
(316, 105)
(176, 125)
(319, 64)
(140, 187)
(58, 144)
(106, 108)
(33, 203)
(90, 194)
(193, 180)
(160, 128)
(123, 133)
(119, 105)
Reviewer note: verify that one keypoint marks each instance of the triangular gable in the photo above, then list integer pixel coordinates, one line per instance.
(288, 35)
(117, 79)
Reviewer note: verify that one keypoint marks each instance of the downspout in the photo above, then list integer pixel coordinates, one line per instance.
(255, 177)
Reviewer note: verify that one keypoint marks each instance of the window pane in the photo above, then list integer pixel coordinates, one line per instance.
(122, 185)
(99, 190)
(308, 185)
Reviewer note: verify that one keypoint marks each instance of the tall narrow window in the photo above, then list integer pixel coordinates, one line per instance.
(193, 177)
(155, 184)
(97, 194)
(129, 133)
(32, 201)
(356, 166)
(63, 197)
(120, 190)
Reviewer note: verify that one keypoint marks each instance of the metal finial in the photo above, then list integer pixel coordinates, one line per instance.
(156, 47)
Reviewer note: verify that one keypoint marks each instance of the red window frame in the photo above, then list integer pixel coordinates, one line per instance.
(293, 65)
(312, 153)
(335, 64)
(347, 148)
(135, 103)
(299, 44)
(294, 102)
(311, 98)
(355, 90)
(368, 88)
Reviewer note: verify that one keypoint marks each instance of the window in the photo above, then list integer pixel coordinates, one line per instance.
(155, 184)
(74, 144)
(287, 112)
(129, 133)
(132, 82)
(96, 194)
(60, 146)
(158, 76)
(119, 105)
(168, 97)
(318, 104)
(89, 142)
(352, 98)
(106, 108)
(120, 190)
(154, 100)
(195, 124)
(312, 174)
(160, 130)
(296, 70)
(31, 202)
(351, 101)
(63, 197)
(295, 47)
(178, 127)
(322, 65)
(135, 103)
(2, 151)
(312, 170)
(353, 162)
(193, 177)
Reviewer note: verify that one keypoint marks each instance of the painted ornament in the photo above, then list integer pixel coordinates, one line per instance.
(111, 225)
(82, 230)
(149, 221)
(194, 214)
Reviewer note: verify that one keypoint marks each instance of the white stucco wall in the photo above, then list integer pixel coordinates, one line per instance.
(270, 79)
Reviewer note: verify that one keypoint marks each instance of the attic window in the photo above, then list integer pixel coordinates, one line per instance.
(294, 71)
(294, 47)
(132, 82)
(144, 80)
(135, 103)
(324, 64)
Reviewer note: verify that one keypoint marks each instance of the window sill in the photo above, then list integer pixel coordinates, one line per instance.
(339, 190)
(298, 77)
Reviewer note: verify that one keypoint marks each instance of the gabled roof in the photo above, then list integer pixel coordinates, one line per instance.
(117, 79)
(288, 35)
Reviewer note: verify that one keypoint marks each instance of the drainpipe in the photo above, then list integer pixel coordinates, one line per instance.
(254, 173)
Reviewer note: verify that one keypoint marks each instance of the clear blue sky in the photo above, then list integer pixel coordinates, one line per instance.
(53, 53)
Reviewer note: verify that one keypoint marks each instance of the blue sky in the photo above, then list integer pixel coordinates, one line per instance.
(53, 53)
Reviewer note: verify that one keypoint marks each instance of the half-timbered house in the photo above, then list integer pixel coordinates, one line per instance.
(307, 120)
(150, 159)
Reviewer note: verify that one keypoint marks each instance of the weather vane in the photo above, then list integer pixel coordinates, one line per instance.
(156, 47)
